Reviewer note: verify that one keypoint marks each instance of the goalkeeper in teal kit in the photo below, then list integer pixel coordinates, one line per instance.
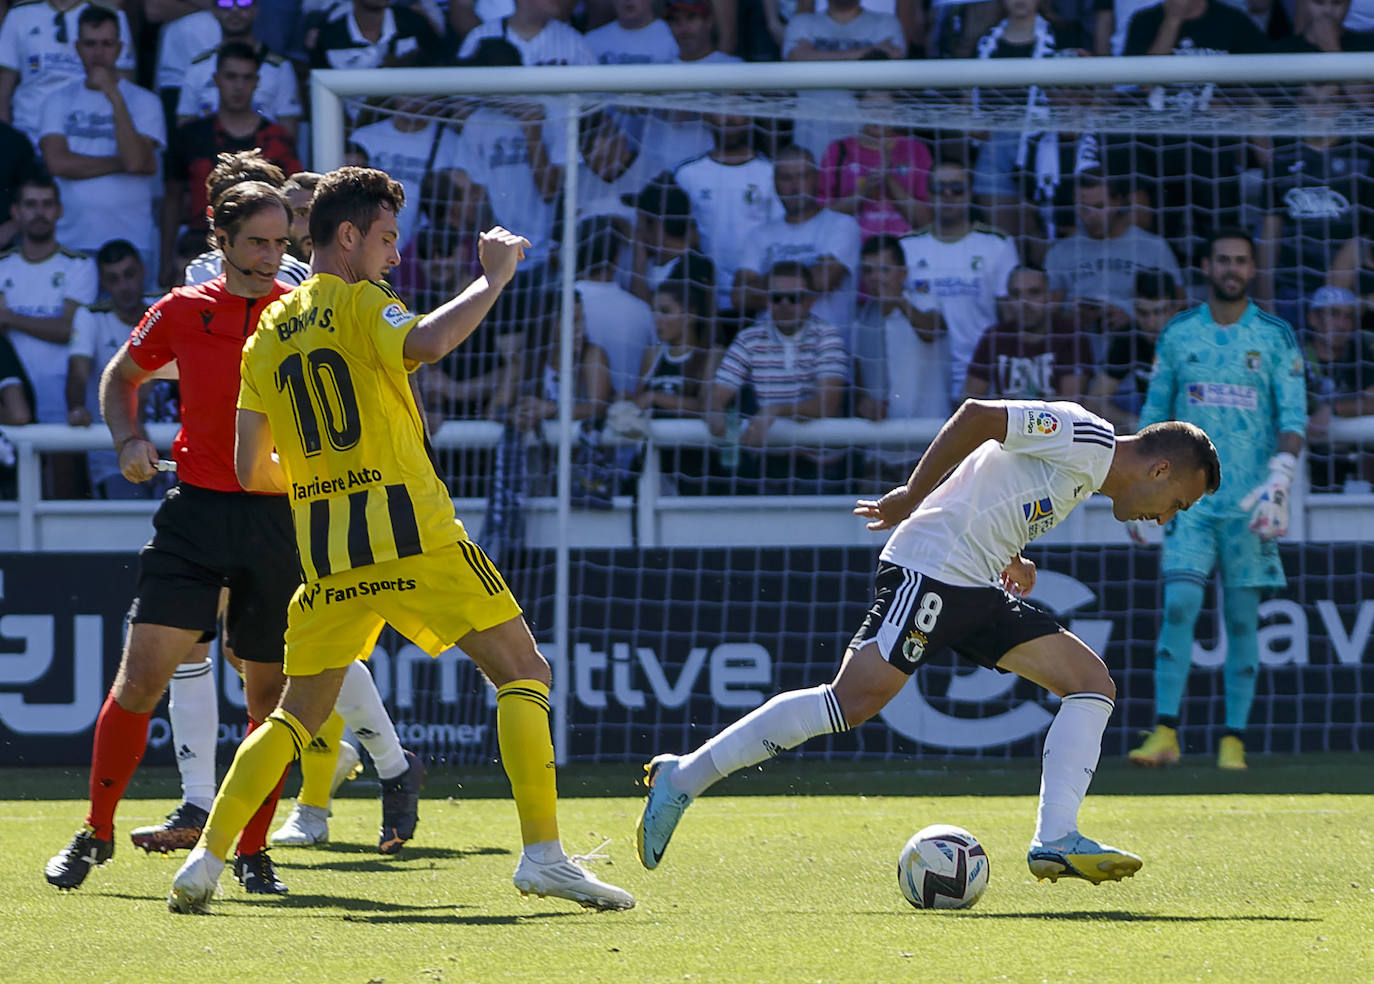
(1236, 372)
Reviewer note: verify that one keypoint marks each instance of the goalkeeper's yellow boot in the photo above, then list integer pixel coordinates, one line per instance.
(1231, 753)
(1159, 748)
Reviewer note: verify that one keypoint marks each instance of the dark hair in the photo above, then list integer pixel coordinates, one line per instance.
(37, 177)
(790, 268)
(241, 50)
(235, 168)
(94, 15)
(697, 300)
(437, 242)
(303, 181)
(1155, 285)
(1229, 232)
(116, 251)
(883, 242)
(1029, 267)
(795, 152)
(245, 200)
(598, 243)
(1183, 444)
(355, 195)
(1093, 178)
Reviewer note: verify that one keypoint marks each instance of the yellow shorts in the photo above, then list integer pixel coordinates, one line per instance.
(433, 599)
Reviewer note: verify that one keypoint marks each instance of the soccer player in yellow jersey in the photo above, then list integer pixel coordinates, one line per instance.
(325, 381)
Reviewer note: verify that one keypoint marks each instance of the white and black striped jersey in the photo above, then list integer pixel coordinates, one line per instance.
(209, 265)
(1006, 493)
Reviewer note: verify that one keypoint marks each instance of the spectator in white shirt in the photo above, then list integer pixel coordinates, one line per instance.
(844, 32)
(958, 267)
(901, 354)
(277, 96)
(540, 32)
(825, 242)
(101, 137)
(694, 28)
(613, 166)
(38, 56)
(407, 145)
(731, 191)
(635, 37)
(42, 283)
(617, 321)
(98, 333)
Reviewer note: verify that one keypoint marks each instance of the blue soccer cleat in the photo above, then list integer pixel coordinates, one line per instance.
(662, 810)
(1076, 856)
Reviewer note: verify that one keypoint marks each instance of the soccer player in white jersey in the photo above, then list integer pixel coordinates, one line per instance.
(952, 577)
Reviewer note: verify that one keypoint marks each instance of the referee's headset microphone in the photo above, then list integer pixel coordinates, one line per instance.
(224, 252)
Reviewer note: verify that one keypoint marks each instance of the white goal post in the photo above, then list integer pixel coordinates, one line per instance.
(938, 94)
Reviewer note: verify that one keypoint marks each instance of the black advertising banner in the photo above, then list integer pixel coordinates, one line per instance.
(671, 645)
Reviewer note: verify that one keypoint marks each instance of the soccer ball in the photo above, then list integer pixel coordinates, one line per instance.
(942, 867)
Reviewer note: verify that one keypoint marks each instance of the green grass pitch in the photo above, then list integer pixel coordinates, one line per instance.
(784, 875)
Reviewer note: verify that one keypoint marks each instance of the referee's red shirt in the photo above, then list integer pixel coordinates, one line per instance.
(203, 328)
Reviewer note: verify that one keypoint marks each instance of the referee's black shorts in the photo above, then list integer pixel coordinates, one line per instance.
(205, 540)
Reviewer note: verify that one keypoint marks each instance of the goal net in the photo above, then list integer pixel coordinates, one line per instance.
(709, 266)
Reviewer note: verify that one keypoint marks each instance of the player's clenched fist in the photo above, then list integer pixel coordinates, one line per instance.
(499, 251)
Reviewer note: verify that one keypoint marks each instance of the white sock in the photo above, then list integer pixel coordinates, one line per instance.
(194, 712)
(1072, 747)
(784, 722)
(546, 852)
(361, 708)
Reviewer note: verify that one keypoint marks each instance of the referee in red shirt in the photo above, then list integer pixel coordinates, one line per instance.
(209, 532)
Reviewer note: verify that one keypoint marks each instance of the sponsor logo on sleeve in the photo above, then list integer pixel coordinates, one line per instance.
(396, 315)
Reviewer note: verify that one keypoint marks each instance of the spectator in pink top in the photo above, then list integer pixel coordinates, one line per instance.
(878, 175)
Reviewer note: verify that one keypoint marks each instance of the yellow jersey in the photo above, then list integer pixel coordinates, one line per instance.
(326, 366)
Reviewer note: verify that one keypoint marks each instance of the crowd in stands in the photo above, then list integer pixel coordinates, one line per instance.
(734, 269)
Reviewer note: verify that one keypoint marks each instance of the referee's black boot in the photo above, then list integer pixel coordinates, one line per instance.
(401, 806)
(69, 867)
(257, 874)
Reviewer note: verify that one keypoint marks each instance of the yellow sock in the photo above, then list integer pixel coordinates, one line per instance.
(318, 761)
(522, 731)
(257, 767)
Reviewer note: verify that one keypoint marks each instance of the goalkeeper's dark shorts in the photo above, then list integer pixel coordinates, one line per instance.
(916, 618)
(1195, 544)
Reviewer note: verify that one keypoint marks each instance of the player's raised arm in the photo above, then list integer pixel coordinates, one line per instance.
(975, 422)
(444, 329)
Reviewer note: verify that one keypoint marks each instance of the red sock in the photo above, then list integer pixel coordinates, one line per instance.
(254, 836)
(120, 739)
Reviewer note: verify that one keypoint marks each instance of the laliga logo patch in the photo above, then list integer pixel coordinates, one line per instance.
(395, 315)
(1042, 423)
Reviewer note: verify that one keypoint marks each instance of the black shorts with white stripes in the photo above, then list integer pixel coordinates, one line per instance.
(915, 617)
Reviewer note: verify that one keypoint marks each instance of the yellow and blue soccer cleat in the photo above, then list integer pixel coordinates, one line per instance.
(662, 811)
(1076, 856)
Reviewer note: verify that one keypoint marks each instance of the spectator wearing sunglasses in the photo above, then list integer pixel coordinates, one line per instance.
(276, 97)
(38, 56)
(100, 136)
(788, 364)
(958, 267)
